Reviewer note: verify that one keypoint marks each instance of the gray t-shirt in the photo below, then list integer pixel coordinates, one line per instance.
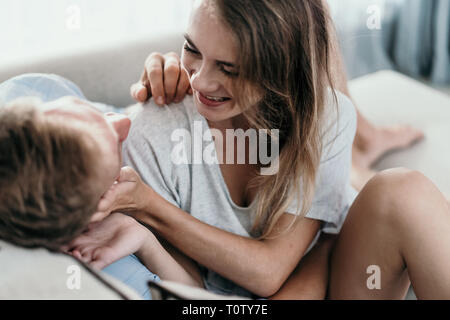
(198, 187)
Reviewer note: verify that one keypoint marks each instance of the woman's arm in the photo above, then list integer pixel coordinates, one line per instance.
(260, 266)
(309, 281)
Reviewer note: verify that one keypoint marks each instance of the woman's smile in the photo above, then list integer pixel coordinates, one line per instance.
(211, 101)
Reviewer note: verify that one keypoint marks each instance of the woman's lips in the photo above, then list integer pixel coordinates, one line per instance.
(210, 103)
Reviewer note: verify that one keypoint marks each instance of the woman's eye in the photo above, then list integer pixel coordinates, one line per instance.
(228, 72)
(190, 50)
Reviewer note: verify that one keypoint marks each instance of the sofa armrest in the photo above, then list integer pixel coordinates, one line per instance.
(389, 98)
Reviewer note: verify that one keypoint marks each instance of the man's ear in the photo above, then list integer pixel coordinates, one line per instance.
(121, 124)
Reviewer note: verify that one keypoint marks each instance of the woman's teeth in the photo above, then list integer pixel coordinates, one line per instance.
(216, 99)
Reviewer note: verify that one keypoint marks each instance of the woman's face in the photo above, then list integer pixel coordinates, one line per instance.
(210, 56)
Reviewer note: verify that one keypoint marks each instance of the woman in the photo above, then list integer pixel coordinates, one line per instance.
(165, 80)
(263, 65)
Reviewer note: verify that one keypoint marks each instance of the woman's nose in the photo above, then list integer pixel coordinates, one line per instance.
(121, 124)
(203, 80)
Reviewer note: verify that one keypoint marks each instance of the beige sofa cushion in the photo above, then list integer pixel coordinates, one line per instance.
(39, 274)
(104, 74)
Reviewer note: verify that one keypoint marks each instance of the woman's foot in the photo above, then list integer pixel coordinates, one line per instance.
(369, 147)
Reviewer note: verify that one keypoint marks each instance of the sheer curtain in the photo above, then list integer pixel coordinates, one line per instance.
(413, 36)
(30, 28)
(422, 44)
(364, 28)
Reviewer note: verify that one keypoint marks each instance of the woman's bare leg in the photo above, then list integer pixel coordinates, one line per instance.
(360, 176)
(400, 222)
(372, 142)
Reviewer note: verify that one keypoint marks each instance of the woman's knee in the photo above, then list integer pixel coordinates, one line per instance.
(401, 194)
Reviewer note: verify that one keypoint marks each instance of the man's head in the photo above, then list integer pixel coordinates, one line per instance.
(56, 161)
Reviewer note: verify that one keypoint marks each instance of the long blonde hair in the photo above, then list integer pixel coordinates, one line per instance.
(284, 55)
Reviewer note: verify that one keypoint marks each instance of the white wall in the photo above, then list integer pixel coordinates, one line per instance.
(30, 29)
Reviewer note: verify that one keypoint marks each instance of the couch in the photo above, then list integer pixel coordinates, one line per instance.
(385, 98)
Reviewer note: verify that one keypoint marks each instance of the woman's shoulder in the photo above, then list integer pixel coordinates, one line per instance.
(151, 145)
(158, 123)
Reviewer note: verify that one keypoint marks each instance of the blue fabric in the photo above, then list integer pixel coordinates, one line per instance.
(133, 273)
(414, 37)
(441, 65)
(49, 87)
(422, 46)
(364, 50)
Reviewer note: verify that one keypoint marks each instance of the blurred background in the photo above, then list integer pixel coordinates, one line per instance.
(411, 36)
(101, 45)
(32, 29)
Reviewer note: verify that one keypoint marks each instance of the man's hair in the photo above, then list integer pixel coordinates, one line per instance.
(48, 178)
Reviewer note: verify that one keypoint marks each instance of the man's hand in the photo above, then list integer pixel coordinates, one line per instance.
(163, 78)
(109, 240)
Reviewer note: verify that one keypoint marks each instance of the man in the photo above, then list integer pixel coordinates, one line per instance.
(57, 158)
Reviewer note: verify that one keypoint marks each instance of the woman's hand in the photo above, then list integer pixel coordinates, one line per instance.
(109, 240)
(163, 78)
(128, 194)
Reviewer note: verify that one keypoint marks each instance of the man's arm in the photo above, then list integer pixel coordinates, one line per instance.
(117, 236)
(169, 264)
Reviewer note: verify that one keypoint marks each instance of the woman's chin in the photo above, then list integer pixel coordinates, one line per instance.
(213, 114)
